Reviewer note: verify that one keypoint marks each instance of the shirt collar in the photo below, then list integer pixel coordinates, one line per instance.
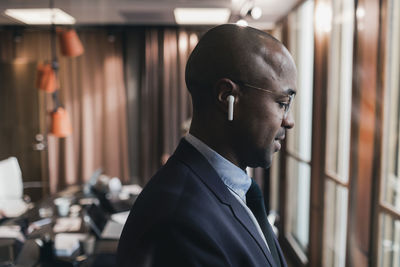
(233, 177)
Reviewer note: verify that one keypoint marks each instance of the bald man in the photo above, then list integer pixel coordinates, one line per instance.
(201, 208)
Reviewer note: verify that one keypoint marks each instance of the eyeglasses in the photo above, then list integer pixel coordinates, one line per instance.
(285, 105)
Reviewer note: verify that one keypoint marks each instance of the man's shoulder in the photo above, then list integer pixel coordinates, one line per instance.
(171, 184)
(174, 194)
(170, 180)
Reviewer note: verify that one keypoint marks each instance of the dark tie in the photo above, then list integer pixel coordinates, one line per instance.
(255, 202)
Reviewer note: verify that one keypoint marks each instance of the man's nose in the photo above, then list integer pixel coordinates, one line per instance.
(288, 122)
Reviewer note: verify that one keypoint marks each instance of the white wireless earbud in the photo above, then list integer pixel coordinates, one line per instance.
(231, 100)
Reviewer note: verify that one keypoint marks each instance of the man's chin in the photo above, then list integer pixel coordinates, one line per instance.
(265, 163)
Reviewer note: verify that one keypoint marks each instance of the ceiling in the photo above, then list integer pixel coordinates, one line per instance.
(148, 12)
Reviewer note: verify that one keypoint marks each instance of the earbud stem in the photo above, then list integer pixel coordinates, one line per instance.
(231, 101)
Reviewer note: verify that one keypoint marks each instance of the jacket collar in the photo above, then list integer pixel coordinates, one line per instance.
(233, 177)
(186, 153)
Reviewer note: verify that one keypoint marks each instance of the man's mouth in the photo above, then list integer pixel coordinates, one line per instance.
(277, 142)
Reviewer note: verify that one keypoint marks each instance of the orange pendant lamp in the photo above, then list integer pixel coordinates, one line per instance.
(60, 123)
(46, 78)
(70, 43)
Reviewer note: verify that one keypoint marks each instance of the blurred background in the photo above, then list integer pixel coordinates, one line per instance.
(93, 90)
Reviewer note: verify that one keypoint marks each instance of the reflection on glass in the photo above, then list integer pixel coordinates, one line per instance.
(299, 201)
(302, 49)
(391, 147)
(335, 225)
(339, 89)
(389, 243)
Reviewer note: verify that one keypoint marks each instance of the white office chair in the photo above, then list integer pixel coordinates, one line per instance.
(11, 188)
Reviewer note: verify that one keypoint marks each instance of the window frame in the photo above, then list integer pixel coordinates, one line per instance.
(380, 207)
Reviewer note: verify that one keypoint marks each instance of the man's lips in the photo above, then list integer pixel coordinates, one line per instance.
(280, 138)
(277, 145)
(277, 142)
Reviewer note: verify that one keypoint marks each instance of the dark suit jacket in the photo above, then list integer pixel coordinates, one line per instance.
(186, 216)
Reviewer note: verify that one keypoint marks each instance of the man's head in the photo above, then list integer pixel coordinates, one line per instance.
(258, 71)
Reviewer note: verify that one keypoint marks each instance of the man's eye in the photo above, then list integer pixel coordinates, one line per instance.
(283, 105)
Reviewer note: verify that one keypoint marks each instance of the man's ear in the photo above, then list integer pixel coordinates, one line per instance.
(227, 96)
(224, 88)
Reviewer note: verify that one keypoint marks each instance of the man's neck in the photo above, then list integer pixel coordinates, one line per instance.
(218, 144)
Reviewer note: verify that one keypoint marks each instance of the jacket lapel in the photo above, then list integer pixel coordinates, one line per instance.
(242, 216)
(189, 155)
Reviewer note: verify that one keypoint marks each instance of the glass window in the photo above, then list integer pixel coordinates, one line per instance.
(298, 144)
(339, 90)
(336, 197)
(338, 123)
(389, 241)
(302, 49)
(299, 201)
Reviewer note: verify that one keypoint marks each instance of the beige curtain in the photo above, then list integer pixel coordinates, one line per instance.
(164, 100)
(93, 93)
(176, 105)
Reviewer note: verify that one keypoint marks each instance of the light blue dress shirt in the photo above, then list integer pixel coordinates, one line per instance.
(236, 179)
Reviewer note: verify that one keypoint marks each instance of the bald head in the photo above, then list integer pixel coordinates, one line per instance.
(237, 53)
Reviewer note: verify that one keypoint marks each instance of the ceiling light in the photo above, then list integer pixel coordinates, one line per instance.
(360, 13)
(256, 12)
(206, 16)
(242, 23)
(41, 16)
